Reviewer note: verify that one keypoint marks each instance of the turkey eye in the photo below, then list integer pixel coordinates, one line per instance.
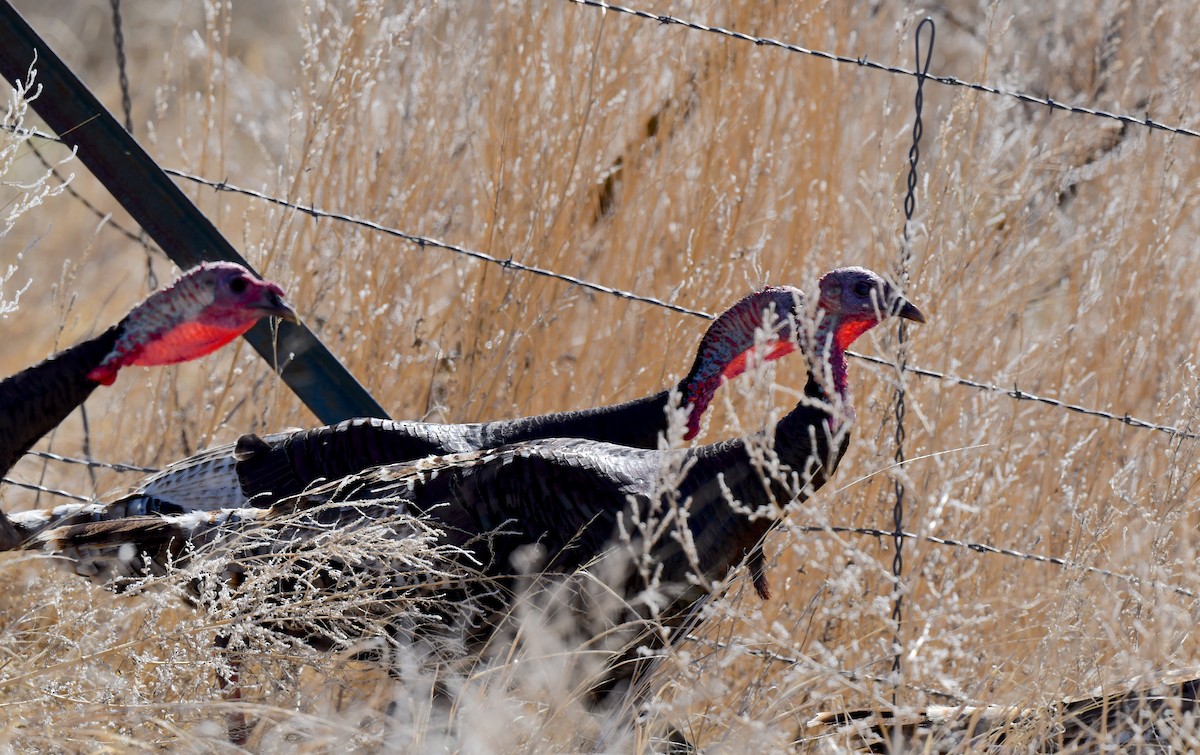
(863, 289)
(238, 285)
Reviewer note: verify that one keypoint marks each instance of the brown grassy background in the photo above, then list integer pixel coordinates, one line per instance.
(1054, 252)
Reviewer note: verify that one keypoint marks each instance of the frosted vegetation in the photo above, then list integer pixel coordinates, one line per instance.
(20, 194)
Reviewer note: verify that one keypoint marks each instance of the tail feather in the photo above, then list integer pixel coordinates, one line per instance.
(204, 482)
(111, 551)
(329, 574)
(30, 524)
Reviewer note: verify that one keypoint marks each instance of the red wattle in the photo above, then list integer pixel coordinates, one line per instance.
(850, 330)
(738, 364)
(185, 342)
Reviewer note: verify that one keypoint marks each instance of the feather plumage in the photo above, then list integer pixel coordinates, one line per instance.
(259, 470)
(571, 498)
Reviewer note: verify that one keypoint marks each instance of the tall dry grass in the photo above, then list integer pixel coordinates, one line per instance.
(1054, 252)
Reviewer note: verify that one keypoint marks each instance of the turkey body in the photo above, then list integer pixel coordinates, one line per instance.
(679, 520)
(571, 499)
(568, 496)
(259, 471)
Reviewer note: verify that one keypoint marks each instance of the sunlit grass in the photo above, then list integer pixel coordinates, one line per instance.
(1053, 252)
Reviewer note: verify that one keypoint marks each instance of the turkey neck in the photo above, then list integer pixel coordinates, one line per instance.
(33, 402)
(636, 423)
(808, 441)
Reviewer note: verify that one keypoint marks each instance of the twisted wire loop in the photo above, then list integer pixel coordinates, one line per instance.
(127, 110)
(119, 43)
(910, 206)
(950, 81)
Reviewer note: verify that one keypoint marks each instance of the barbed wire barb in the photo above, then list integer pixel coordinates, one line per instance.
(864, 62)
(114, 466)
(984, 548)
(43, 489)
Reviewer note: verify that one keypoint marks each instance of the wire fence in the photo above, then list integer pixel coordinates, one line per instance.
(508, 263)
(1009, 552)
(921, 73)
(862, 62)
(1014, 392)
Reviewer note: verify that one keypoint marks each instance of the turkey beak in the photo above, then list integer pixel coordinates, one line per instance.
(276, 306)
(909, 311)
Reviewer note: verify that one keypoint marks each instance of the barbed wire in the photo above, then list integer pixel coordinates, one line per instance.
(1020, 395)
(105, 217)
(1014, 392)
(862, 62)
(425, 241)
(43, 489)
(853, 676)
(114, 466)
(998, 551)
(974, 547)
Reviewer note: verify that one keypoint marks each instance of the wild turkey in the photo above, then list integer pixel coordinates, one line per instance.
(572, 500)
(207, 307)
(1161, 717)
(566, 494)
(261, 471)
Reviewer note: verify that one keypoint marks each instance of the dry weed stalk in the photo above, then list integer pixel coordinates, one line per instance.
(1058, 250)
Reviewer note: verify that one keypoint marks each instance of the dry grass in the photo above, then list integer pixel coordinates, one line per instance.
(1055, 252)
